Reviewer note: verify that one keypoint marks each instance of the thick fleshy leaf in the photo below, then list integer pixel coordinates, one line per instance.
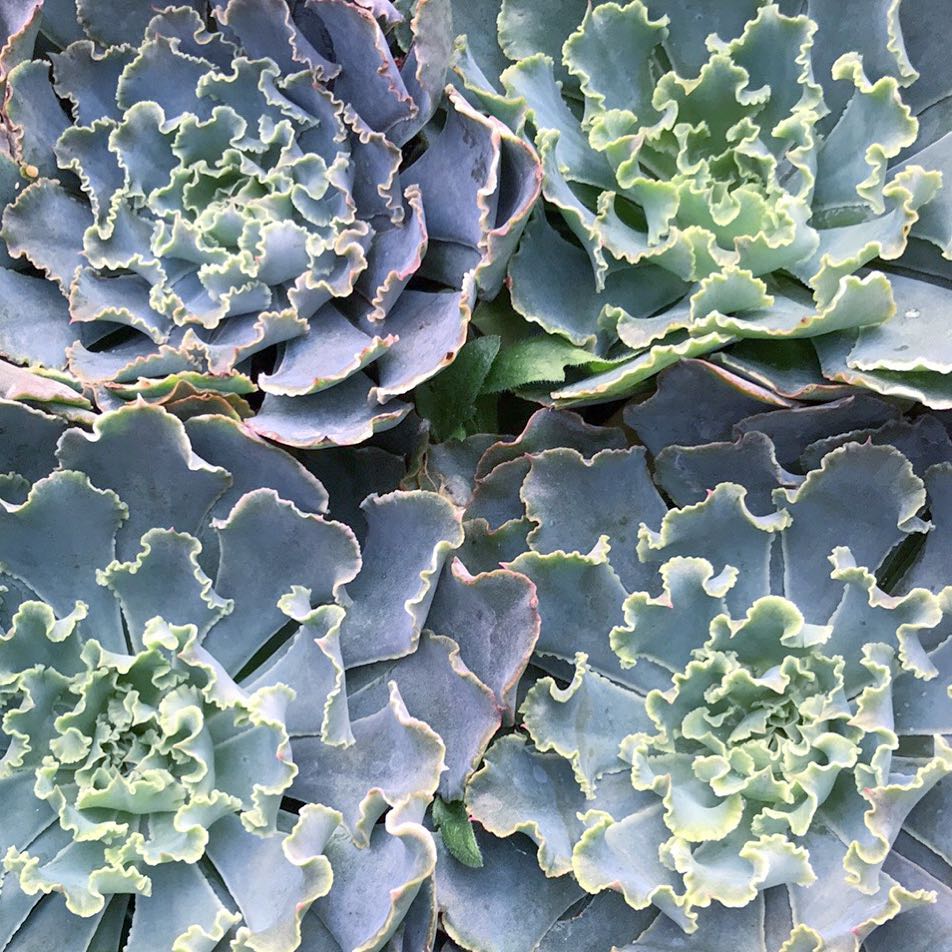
(249, 460)
(344, 414)
(36, 116)
(432, 325)
(585, 723)
(30, 438)
(688, 474)
(503, 466)
(863, 497)
(373, 886)
(441, 691)
(199, 914)
(81, 522)
(508, 903)
(53, 922)
(922, 927)
(867, 614)
(494, 618)
(466, 160)
(396, 585)
(856, 914)
(56, 250)
(548, 429)
(46, 390)
(302, 549)
(504, 797)
(696, 403)
(601, 860)
(929, 569)
(297, 874)
(48, 335)
(19, 27)
(165, 580)
(719, 930)
(354, 474)
(668, 628)
(88, 78)
(607, 921)
(612, 495)
(424, 70)
(885, 57)
(122, 26)
(924, 442)
(702, 530)
(364, 779)
(790, 431)
(312, 667)
(568, 624)
(174, 489)
(331, 351)
(418, 928)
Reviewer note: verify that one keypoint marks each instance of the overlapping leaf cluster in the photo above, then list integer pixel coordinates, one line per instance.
(682, 680)
(212, 200)
(223, 720)
(724, 178)
(729, 717)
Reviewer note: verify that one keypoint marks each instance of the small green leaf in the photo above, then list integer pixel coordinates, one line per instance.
(486, 414)
(535, 360)
(453, 823)
(449, 400)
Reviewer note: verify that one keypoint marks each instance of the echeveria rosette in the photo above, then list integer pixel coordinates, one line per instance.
(728, 717)
(747, 178)
(142, 760)
(226, 712)
(212, 200)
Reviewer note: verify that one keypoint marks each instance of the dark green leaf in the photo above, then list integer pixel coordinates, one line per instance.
(449, 400)
(453, 823)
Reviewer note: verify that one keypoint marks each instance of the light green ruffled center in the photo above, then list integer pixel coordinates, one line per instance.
(758, 725)
(132, 740)
(136, 756)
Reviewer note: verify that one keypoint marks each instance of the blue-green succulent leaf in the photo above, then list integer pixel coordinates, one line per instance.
(390, 597)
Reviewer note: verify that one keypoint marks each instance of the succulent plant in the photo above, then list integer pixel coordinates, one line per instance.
(225, 713)
(217, 200)
(680, 680)
(735, 728)
(759, 182)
